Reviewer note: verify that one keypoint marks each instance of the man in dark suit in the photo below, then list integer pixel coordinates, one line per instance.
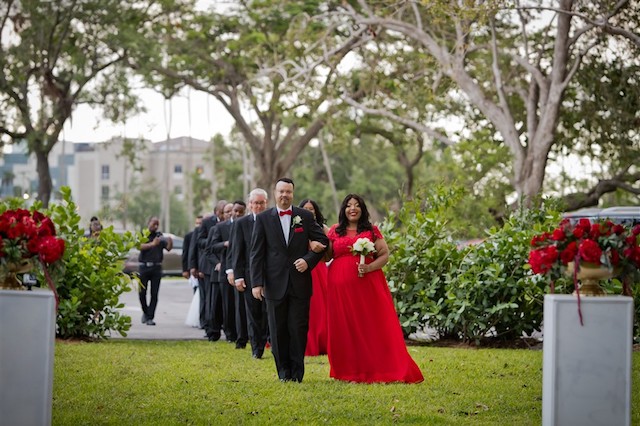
(256, 310)
(239, 306)
(202, 267)
(281, 265)
(217, 248)
(186, 270)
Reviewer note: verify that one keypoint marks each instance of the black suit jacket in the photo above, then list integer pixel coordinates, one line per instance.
(272, 259)
(240, 248)
(185, 251)
(197, 250)
(216, 249)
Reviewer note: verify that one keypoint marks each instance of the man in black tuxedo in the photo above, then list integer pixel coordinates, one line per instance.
(281, 265)
(217, 249)
(202, 267)
(186, 270)
(256, 310)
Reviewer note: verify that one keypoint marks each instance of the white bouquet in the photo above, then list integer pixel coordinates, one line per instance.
(363, 247)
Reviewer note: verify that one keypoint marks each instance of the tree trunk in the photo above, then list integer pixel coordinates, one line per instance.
(45, 185)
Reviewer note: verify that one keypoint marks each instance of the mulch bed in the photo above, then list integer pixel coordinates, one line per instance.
(489, 343)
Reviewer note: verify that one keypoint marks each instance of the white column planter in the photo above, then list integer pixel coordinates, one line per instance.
(27, 337)
(587, 369)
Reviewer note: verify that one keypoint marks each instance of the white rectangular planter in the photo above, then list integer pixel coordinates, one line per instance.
(27, 337)
(587, 369)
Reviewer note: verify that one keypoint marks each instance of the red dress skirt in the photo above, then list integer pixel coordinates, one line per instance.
(366, 343)
(317, 335)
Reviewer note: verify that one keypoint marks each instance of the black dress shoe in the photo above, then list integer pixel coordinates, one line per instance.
(213, 337)
(257, 355)
(240, 345)
(144, 318)
(151, 322)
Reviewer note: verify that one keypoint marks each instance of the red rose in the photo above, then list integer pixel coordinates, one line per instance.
(614, 257)
(558, 235)
(542, 238)
(590, 251)
(584, 224)
(636, 230)
(618, 229)
(569, 253)
(542, 259)
(46, 228)
(51, 249)
(595, 232)
(578, 233)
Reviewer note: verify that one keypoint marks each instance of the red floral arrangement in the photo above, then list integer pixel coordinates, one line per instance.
(26, 235)
(600, 243)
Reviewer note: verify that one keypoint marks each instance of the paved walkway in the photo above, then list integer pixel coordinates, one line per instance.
(174, 301)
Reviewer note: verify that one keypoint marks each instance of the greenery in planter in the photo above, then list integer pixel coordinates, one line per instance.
(89, 278)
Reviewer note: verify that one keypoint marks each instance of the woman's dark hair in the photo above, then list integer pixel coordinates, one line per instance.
(319, 217)
(364, 223)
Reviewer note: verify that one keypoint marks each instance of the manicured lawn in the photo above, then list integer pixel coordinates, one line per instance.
(196, 382)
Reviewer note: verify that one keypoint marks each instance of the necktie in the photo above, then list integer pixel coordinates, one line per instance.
(284, 212)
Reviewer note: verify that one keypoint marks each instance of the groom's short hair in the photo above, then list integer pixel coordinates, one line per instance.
(286, 180)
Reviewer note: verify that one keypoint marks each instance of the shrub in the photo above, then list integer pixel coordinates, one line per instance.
(492, 293)
(422, 255)
(89, 278)
(466, 293)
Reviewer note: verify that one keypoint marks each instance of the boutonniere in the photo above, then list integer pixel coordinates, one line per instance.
(296, 222)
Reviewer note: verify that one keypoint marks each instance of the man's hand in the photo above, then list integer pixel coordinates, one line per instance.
(317, 246)
(258, 292)
(186, 274)
(230, 279)
(240, 285)
(301, 265)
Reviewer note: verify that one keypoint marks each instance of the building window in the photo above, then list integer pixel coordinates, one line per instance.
(105, 172)
(177, 169)
(177, 190)
(104, 195)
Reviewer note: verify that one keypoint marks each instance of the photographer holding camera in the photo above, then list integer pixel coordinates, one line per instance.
(150, 258)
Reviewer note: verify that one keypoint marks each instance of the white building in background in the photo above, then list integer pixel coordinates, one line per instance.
(97, 172)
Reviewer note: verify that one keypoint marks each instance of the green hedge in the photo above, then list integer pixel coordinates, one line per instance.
(473, 292)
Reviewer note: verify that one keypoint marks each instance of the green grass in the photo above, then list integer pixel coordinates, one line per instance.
(197, 382)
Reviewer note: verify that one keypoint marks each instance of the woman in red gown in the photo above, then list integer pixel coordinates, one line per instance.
(366, 343)
(317, 335)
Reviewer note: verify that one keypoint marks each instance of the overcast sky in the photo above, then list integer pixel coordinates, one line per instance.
(208, 117)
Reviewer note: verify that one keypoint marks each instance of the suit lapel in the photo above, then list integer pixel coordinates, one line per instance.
(275, 219)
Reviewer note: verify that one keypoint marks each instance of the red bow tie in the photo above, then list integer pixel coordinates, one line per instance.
(283, 212)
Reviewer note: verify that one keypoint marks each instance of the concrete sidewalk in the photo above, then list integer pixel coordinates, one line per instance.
(174, 300)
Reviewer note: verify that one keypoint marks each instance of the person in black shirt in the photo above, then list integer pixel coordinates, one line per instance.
(150, 259)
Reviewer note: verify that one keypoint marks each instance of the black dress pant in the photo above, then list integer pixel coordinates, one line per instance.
(241, 317)
(227, 300)
(257, 323)
(150, 277)
(288, 327)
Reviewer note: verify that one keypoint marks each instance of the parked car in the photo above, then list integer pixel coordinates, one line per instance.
(625, 215)
(171, 261)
